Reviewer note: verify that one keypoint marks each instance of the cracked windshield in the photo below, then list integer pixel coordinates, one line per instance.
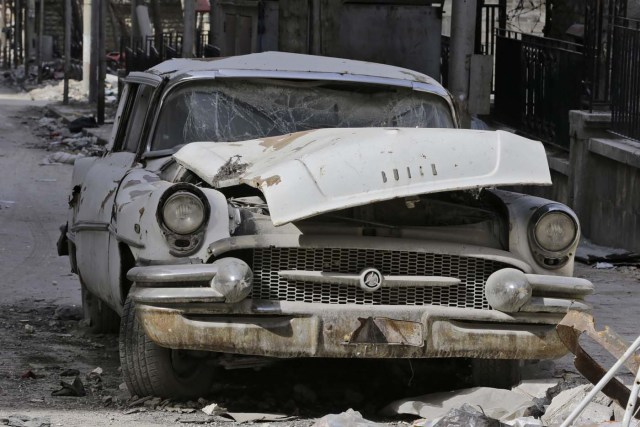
(237, 111)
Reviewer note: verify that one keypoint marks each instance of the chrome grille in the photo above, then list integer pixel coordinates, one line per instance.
(473, 272)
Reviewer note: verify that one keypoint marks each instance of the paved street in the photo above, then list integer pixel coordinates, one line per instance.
(36, 283)
(33, 204)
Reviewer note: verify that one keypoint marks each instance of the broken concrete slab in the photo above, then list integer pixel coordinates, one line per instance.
(496, 403)
(536, 388)
(214, 409)
(25, 421)
(525, 422)
(466, 416)
(598, 411)
(349, 418)
(250, 417)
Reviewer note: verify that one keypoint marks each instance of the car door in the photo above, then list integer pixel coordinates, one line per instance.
(95, 191)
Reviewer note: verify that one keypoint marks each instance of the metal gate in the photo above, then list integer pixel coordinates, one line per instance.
(537, 82)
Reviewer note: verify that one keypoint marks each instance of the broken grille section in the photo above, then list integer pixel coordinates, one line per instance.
(473, 272)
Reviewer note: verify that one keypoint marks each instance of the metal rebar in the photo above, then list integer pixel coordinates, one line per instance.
(633, 399)
(603, 382)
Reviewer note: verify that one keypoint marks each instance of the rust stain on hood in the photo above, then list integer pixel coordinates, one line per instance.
(279, 142)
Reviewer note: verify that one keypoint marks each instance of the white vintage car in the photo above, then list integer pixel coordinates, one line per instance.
(285, 205)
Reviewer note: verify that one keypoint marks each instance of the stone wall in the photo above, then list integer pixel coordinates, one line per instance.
(599, 180)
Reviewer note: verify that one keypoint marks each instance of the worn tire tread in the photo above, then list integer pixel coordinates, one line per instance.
(144, 364)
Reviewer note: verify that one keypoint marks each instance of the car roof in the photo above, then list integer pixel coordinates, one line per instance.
(288, 62)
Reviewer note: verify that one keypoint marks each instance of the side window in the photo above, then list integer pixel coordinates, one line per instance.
(127, 97)
(135, 123)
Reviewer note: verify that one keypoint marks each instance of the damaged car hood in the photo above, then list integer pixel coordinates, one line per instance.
(309, 173)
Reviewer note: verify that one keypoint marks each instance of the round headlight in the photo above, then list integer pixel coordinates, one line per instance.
(183, 212)
(555, 231)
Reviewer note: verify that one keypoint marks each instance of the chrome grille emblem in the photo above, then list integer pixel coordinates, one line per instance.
(370, 279)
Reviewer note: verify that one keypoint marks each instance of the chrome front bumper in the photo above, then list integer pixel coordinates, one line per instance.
(316, 330)
(180, 316)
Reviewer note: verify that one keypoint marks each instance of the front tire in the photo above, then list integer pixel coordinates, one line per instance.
(151, 370)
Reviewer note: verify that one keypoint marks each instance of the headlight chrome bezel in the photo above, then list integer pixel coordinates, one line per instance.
(183, 244)
(552, 259)
(194, 199)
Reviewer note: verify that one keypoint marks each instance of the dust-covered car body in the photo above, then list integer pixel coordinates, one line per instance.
(293, 206)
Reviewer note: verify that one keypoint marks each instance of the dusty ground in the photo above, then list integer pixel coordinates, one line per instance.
(40, 336)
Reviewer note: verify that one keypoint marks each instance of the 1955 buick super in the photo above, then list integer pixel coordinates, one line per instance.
(284, 205)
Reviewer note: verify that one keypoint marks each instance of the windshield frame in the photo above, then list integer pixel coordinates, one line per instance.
(173, 85)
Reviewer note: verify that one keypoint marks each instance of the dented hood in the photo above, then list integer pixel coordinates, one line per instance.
(309, 173)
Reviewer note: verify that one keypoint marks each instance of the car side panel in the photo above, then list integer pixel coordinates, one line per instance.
(92, 212)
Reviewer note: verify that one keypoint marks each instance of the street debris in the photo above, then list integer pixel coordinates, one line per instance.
(94, 379)
(349, 418)
(25, 421)
(96, 373)
(252, 417)
(4, 204)
(53, 91)
(466, 416)
(68, 312)
(70, 373)
(68, 141)
(576, 323)
(544, 401)
(107, 400)
(590, 253)
(152, 403)
(29, 329)
(134, 411)
(76, 388)
(503, 405)
(80, 123)
(30, 375)
(214, 409)
(61, 157)
(599, 411)
(135, 401)
(604, 266)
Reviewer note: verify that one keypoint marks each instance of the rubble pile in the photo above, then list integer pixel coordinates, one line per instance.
(52, 87)
(53, 91)
(67, 145)
(532, 403)
(18, 420)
